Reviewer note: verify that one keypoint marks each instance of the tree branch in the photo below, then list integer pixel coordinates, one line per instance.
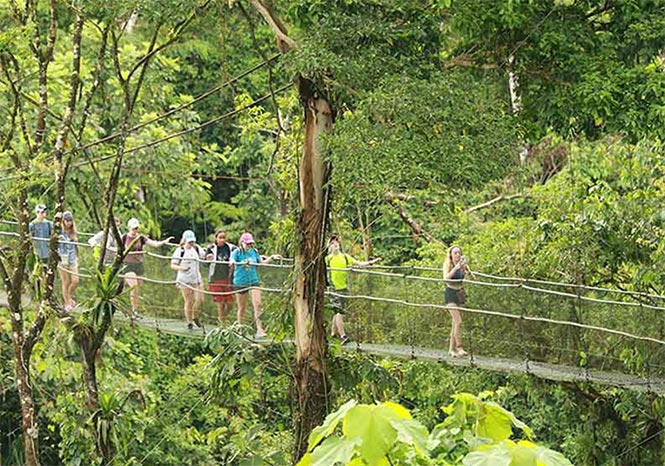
(284, 42)
(416, 227)
(503, 197)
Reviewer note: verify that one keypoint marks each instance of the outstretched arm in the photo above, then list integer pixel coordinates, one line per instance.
(366, 263)
(156, 244)
(268, 259)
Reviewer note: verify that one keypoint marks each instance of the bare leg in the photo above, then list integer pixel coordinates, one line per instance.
(73, 282)
(187, 298)
(338, 325)
(64, 281)
(242, 303)
(256, 304)
(197, 298)
(456, 331)
(132, 282)
(222, 312)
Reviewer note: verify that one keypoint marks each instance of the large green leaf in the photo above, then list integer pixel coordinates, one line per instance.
(495, 422)
(329, 424)
(371, 424)
(547, 457)
(333, 451)
(413, 433)
(495, 456)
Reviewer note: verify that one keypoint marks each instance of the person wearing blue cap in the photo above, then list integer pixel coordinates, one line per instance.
(185, 261)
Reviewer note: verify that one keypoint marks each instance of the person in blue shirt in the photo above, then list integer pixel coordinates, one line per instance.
(41, 230)
(243, 268)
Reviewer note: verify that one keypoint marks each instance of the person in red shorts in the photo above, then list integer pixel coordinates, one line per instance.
(219, 280)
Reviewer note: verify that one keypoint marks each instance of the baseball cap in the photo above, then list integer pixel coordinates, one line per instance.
(133, 223)
(67, 216)
(188, 236)
(247, 238)
(40, 208)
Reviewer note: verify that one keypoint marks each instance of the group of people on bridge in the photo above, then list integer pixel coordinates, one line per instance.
(232, 272)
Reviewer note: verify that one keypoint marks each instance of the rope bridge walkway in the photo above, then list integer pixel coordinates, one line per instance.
(554, 331)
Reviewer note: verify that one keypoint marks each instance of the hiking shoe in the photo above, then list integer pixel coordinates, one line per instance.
(198, 323)
(136, 315)
(190, 326)
(344, 339)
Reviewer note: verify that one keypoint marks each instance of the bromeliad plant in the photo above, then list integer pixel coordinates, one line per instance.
(476, 432)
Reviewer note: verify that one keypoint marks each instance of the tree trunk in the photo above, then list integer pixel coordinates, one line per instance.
(88, 354)
(311, 387)
(29, 423)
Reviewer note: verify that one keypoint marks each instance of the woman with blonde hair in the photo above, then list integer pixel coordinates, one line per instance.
(68, 252)
(454, 270)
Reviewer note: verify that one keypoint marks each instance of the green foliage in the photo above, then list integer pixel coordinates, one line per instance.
(585, 68)
(387, 434)
(412, 136)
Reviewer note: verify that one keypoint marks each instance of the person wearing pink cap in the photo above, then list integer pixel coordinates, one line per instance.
(243, 268)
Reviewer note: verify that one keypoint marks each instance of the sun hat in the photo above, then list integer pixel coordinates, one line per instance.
(133, 223)
(40, 208)
(247, 238)
(188, 236)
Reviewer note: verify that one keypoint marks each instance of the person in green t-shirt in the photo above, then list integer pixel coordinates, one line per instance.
(338, 264)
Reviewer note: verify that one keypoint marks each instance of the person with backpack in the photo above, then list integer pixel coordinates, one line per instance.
(244, 261)
(185, 261)
(133, 262)
(338, 263)
(219, 281)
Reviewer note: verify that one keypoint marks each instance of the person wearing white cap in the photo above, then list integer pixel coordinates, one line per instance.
(109, 251)
(244, 261)
(185, 261)
(133, 261)
(41, 230)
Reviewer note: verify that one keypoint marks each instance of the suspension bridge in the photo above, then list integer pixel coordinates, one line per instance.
(554, 331)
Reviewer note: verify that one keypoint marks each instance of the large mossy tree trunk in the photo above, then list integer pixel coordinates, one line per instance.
(311, 387)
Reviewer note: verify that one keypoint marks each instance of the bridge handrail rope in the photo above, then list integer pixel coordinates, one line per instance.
(503, 314)
(175, 282)
(407, 303)
(521, 282)
(204, 261)
(532, 280)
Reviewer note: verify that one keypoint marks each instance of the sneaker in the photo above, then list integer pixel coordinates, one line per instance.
(198, 323)
(136, 315)
(344, 339)
(190, 326)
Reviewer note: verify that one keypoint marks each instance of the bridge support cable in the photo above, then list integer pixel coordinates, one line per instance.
(582, 338)
(411, 337)
(523, 330)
